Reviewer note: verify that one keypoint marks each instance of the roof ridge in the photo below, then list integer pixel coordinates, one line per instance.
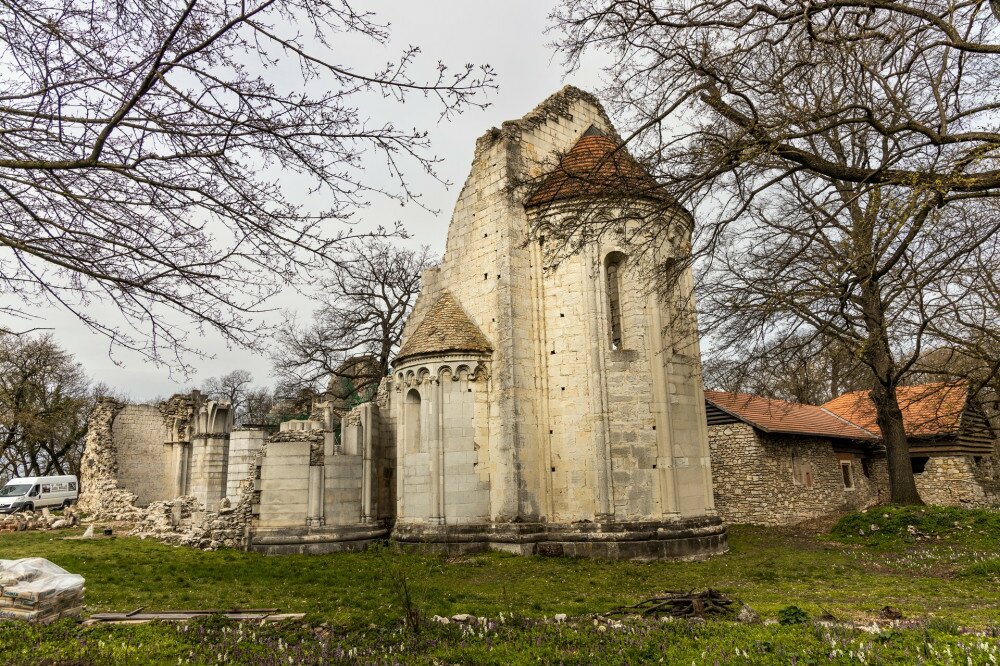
(848, 421)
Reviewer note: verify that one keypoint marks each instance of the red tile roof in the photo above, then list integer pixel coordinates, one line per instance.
(595, 166)
(445, 328)
(929, 410)
(778, 416)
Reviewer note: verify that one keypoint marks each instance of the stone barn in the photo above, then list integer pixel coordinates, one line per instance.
(953, 449)
(780, 463)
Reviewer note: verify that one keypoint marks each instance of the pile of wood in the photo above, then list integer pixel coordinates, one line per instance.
(704, 604)
(35, 590)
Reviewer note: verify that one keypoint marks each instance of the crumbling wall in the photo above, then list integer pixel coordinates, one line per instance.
(136, 455)
(184, 522)
(757, 480)
(244, 445)
(101, 494)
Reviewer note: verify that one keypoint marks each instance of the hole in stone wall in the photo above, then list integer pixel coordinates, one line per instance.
(919, 464)
(845, 470)
(486, 276)
(553, 469)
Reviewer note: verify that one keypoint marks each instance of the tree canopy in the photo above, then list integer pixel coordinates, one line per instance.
(148, 151)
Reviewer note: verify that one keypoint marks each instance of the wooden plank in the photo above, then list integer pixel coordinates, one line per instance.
(143, 618)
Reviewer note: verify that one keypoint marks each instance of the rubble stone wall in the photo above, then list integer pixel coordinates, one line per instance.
(764, 479)
(100, 492)
(145, 459)
(951, 481)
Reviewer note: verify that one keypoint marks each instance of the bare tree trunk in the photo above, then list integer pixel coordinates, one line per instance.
(902, 487)
(878, 353)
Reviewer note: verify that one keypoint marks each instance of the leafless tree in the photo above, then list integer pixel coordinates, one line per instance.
(257, 406)
(44, 405)
(354, 333)
(250, 404)
(810, 370)
(840, 159)
(147, 149)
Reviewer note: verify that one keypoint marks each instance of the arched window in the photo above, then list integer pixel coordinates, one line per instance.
(411, 420)
(613, 265)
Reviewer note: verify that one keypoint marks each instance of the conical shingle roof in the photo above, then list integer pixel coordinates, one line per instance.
(596, 166)
(445, 328)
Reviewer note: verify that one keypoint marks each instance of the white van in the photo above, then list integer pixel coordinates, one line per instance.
(35, 492)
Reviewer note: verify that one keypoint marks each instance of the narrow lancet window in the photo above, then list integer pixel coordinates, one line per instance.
(613, 268)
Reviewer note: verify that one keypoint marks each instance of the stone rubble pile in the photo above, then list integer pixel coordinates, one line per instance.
(37, 520)
(183, 522)
(37, 590)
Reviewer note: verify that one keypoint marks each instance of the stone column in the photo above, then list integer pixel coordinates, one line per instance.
(595, 383)
(182, 467)
(435, 427)
(661, 407)
(368, 434)
(316, 502)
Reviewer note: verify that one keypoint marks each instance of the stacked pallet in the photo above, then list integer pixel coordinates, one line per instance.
(37, 590)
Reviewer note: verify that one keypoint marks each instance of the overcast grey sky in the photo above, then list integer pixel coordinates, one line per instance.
(509, 35)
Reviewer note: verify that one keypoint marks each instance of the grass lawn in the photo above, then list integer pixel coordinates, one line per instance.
(942, 566)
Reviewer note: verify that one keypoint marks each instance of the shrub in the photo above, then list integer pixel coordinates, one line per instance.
(792, 615)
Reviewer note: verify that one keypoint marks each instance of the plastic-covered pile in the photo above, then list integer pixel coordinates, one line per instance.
(36, 590)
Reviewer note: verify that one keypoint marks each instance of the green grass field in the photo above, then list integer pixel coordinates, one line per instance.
(938, 566)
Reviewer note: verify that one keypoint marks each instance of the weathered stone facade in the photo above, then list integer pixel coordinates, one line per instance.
(558, 434)
(957, 481)
(767, 479)
(101, 491)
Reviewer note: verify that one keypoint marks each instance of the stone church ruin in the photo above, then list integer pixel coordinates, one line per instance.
(530, 410)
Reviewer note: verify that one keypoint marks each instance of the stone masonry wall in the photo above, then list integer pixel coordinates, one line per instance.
(243, 447)
(144, 458)
(755, 478)
(951, 481)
